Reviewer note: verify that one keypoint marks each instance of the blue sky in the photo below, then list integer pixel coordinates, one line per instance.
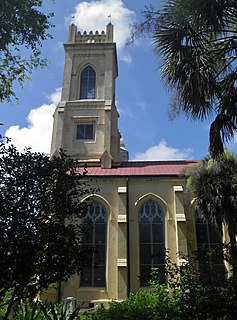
(141, 97)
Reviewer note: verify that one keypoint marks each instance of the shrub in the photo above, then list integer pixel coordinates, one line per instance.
(156, 304)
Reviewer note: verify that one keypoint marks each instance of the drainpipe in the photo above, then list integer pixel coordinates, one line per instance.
(128, 239)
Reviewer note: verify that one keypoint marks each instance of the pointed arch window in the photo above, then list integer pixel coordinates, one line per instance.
(209, 250)
(87, 87)
(152, 241)
(94, 237)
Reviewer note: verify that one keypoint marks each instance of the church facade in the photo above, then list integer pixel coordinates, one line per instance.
(138, 213)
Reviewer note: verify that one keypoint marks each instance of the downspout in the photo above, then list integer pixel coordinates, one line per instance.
(128, 239)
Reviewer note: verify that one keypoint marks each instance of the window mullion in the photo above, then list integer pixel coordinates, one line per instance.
(151, 245)
(93, 256)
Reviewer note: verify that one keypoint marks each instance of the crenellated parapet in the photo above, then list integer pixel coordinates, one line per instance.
(75, 36)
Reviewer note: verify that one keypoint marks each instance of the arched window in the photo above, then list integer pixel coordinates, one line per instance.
(87, 89)
(152, 241)
(209, 250)
(94, 237)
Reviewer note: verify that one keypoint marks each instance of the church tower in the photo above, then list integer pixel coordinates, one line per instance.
(86, 119)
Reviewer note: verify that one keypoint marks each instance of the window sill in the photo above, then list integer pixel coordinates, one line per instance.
(97, 289)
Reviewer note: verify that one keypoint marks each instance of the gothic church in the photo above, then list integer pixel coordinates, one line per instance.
(139, 212)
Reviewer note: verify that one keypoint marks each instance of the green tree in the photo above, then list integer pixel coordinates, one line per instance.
(203, 299)
(23, 29)
(40, 233)
(197, 43)
(213, 184)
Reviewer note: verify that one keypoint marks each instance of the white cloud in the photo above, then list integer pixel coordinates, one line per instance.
(128, 111)
(37, 135)
(125, 112)
(163, 152)
(93, 16)
(126, 58)
(55, 97)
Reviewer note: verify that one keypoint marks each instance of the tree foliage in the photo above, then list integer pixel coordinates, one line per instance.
(23, 29)
(213, 184)
(40, 233)
(157, 303)
(187, 298)
(197, 43)
(203, 299)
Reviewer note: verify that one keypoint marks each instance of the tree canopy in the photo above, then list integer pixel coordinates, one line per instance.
(197, 43)
(213, 184)
(40, 232)
(23, 29)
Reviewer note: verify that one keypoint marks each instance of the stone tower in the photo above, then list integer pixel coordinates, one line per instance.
(86, 119)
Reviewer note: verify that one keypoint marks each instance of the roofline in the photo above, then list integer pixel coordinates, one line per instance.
(174, 176)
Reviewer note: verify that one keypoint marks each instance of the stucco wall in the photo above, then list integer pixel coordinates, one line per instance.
(116, 195)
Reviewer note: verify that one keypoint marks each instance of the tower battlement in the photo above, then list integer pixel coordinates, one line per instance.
(75, 36)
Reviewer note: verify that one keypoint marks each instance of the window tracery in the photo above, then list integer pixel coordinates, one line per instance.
(95, 239)
(152, 241)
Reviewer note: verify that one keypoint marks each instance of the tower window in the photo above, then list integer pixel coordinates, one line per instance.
(87, 89)
(94, 237)
(152, 242)
(85, 131)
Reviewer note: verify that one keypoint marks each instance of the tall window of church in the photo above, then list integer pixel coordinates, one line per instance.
(209, 250)
(94, 237)
(87, 89)
(152, 242)
(85, 131)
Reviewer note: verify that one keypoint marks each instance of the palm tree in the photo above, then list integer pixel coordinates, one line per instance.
(213, 184)
(197, 42)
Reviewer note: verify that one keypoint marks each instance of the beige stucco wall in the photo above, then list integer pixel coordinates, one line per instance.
(100, 111)
(115, 194)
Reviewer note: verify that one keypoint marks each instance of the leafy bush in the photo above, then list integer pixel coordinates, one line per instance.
(4, 304)
(190, 297)
(28, 311)
(157, 303)
(41, 311)
(202, 299)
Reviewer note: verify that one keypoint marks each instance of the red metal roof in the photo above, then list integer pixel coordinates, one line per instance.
(143, 168)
